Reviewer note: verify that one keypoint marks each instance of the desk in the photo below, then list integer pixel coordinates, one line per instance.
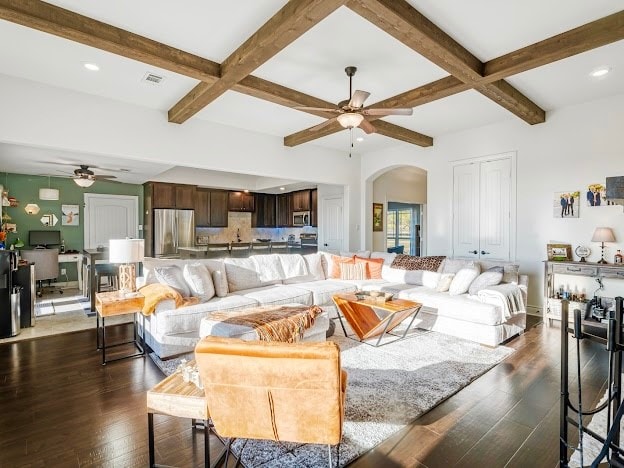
(73, 258)
(89, 257)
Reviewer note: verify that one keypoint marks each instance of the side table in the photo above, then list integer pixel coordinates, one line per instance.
(109, 304)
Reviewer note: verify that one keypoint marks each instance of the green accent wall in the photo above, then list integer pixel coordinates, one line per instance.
(25, 188)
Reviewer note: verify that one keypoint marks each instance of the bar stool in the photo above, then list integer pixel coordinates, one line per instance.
(109, 272)
(279, 247)
(260, 248)
(240, 249)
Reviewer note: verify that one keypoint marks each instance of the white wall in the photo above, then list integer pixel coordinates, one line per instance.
(35, 114)
(397, 185)
(576, 146)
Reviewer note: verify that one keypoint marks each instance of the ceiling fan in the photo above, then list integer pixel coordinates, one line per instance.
(85, 177)
(351, 112)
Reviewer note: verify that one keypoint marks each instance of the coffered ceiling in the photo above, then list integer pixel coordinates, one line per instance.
(310, 53)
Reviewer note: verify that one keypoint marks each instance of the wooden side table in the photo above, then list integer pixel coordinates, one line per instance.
(175, 397)
(361, 316)
(109, 304)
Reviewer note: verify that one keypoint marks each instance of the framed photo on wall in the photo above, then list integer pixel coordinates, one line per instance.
(71, 215)
(377, 217)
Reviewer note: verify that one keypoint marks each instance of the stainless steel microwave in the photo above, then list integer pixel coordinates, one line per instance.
(301, 218)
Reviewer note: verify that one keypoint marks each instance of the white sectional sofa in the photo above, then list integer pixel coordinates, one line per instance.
(291, 278)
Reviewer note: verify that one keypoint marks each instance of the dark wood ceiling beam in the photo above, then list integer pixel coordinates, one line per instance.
(307, 135)
(78, 28)
(403, 22)
(403, 134)
(287, 25)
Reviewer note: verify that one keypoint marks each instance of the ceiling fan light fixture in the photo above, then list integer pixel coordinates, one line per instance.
(350, 119)
(84, 183)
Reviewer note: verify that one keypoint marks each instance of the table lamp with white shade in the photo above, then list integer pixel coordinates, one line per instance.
(602, 235)
(127, 252)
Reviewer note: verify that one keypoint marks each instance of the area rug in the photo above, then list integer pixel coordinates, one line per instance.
(388, 387)
(62, 304)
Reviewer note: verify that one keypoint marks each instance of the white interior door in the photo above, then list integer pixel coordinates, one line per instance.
(482, 209)
(495, 182)
(109, 217)
(466, 211)
(331, 228)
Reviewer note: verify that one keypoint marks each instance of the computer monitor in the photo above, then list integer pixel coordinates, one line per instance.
(44, 238)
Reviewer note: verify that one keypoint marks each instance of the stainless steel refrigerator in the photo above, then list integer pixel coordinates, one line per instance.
(173, 229)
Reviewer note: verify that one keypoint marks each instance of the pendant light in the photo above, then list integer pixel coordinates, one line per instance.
(48, 193)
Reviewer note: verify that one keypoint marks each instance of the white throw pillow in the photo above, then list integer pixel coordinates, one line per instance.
(199, 280)
(352, 271)
(452, 265)
(387, 256)
(462, 281)
(361, 254)
(444, 283)
(219, 280)
(172, 276)
(430, 279)
(490, 277)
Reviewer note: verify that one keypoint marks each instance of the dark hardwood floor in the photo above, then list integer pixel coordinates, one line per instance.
(59, 407)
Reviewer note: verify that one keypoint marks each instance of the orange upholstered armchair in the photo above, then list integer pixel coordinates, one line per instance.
(290, 392)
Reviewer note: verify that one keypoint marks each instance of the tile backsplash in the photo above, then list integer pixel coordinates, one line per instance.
(241, 223)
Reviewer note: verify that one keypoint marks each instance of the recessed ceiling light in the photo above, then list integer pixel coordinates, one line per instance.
(600, 72)
(246, 191)
(91, 66)
(360, 139)
(282, 188)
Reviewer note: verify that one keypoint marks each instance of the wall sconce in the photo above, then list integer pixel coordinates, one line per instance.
(32, 208)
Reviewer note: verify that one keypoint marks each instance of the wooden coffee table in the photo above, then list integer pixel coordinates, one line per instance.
(360, 313)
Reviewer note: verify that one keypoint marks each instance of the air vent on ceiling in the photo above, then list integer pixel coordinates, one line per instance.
(152, 78)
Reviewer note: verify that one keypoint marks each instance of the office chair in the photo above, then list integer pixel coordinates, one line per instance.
(46, 266)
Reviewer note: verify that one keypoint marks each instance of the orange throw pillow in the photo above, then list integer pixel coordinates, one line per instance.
(373, 266)
(336, 261)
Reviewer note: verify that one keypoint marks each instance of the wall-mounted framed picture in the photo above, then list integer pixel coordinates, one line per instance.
(377, 217)
(559, 252)
(71, 215)
(566, 204)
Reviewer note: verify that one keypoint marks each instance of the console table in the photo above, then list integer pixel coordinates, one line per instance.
(553, 268)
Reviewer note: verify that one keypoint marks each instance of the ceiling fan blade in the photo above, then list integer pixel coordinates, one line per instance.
(318, 109)
(323, 124)
(358, 98)
(103, 176)
(382, 112)
(367, 127)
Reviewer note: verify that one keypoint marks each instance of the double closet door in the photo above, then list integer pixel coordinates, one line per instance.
(482, 209)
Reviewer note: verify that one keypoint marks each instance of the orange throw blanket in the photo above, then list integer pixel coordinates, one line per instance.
(156, 292)
(272, 323)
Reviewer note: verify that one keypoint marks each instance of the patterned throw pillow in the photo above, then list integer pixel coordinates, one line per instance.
(490, 277)
(372, 266)
(462, 281)
(172, 276)
(336, 261)
(410, 262)
(353, 271)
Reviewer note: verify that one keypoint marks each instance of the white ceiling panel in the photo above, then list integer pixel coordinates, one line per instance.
(491, 28)
(569, 82)
(212, 29)
(315, 63)
(59, 62)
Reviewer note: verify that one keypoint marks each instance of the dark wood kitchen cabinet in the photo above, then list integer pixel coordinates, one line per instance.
(264, 215)
(177, 196)
(202, 207)
(314, 207)
(185, 197)
(241, 201)
(301, 200)
(284, 210)
(218, 208)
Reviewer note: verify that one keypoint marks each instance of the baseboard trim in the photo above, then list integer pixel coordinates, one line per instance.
(534, 310)
(65, 284)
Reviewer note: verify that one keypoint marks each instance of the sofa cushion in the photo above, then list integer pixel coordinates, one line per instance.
(359, 253)
(241, 274)
(414, 277)
(453, 265)
(462, 281)
(366, 284)
(460, 307)
(187, 319)
(410, 262)
(388, 257)
(199, 281)
(171, 275)
(510, 270)
(490, 277)
(322, 291)
(444, 283)
(219, 279)
(278, 294)
(315, 270)
(373, 266)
